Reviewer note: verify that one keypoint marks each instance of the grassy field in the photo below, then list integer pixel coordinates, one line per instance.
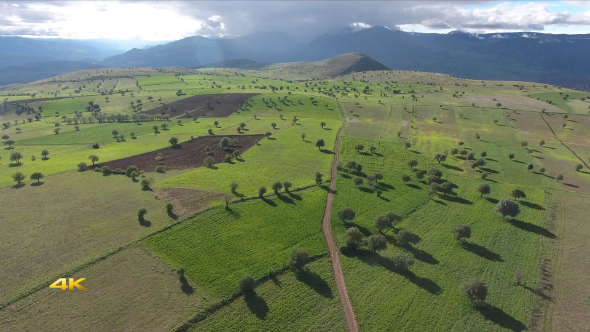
(218, 247)
(133, 290)
(429, 297)
(73, 218)
(305, 301)
(70, 220)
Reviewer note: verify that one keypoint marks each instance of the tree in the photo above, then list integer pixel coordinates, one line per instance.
(236, 154)
(225, 143)
(93, 158)
(524, 144)
(475, 290)
(130, 170)
(405, 178)
(542, 142)
(477, 163)
(381, 223)
(173, 141)
(5, 137)
(16, 156)
(378, 177)
(511, 156)
(44, 153)
(209, 161)
(454, 151)
(170, 208)
(477, 136)
(359, 147)
(357, 180)
(351, 165)
(36, 176)
(242, 125)
(320, 143)
(353, 235)
(579, 167)
(322, 124)
(484, 189)
(134, 174)
(318, 177)
(106, 170)
(405, 237)
(115, 133)
(141, 214)
(461, 232)
(407, 145)
(303, 136)
(542, 170)
(261, 191)
(559, 177)
(82, 167)
(484, 154)
(246, 284)
(346, 214)
(298, 258)
(155, 128)
(233, 186)
(372, 148)
(507, 207)
(376, 242)
(529, 167)
(145, 184)
(471, 156)
(18, 177)
(277, 186)
(287, 185)
(273, 125)
(403, 260)
(216, 123)
(517, 193)
(412, 163)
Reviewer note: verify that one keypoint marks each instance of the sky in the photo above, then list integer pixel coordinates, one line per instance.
(305, 20)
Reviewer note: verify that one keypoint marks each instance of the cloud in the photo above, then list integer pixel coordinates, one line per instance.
(153, 20)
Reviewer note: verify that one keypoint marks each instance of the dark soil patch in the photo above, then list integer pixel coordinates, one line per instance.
(186, 155)
(189, 201)
(196, 106)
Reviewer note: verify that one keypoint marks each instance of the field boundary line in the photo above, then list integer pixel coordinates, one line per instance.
(562, 143)
(327, 229)
(93, 261)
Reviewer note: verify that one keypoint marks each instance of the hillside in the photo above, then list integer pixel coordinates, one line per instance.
(39, 70)
(329, 68)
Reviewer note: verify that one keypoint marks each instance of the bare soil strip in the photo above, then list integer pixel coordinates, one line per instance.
(348, 313)
(218, 105)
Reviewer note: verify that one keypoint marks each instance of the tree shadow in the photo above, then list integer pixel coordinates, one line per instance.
(315, 282)
(344, 175)
(285, 199)
(378, 154)
(295, 196)
(456, 199)
(411, 185)
(532, 228)
(15, 164)
(172, 215)
(326, 151)
(481, 251)
(422, 255)
(327, 128)
(489, 170)
(145, 223)
(532, 205)
(414, 151)
(364, 153)
(518, 161)
(365, 231)
(185, 286)
(256, 304)
(367, 190)
(439, 202)
(570, 185)
(490, 159)
(385, 185)
(492, 200)
(454, 168)
(36, 184)
(269, 202)
(499, 317)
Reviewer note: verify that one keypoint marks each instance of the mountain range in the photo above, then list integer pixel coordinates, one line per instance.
(544, 58)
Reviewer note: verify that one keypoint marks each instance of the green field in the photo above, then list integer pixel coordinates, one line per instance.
(86, 225)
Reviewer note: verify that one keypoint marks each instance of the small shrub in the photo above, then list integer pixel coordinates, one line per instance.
(403, 260)
(82, 167)
(106, 170)
(160, 169)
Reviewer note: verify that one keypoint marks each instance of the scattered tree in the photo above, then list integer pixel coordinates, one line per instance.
(173, 141)
(405, 237)
(511, 156)
(16, 156)
(475, 290)
(530, 167)
(559, 177)
(359, 147)
(320, 143)
(405, 178)
(44, 153)
(261, 191)
(461, 232)
(353, 235)
(412, 163)
(579, 167)
(246, 284)
(346, 214)
(298, 258)
(403, 260)
(93, 158)
(318, 177)
(287, 185)
(484, 189)
(82, 167)
(407, 145)
(507, 207)
(141, 214)
(277, 186)
(517, 193)
(357, 180)
(18, 177)
(376, 242)
(209, 161)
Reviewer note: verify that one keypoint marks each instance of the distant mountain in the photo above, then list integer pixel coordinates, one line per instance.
(15, 51)
(35, 71)
(238, 63)
(193, 52)
(333, 67)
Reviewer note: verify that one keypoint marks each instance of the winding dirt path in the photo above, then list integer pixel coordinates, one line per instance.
(340, 285)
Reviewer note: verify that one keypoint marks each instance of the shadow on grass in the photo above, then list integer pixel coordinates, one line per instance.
(285, 199)
(315, 282)
(489, 170)
(456, 199)
(481, 251)
(518, 161)
(256, 304)
(411, 185)
(294, 196)
(532, 228)
(185, 286)
(36, 184)
(532, 205)
(145, 223)
(414, 151)
(570, 185)
(269, 202)
(492, 200)
(365, 231)
(344, 175)
(454, 168)
(14, 165)
(367, 190)
(172, 215)
(499, 317)
(422, 255)
(326, 151)
(439, 202)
